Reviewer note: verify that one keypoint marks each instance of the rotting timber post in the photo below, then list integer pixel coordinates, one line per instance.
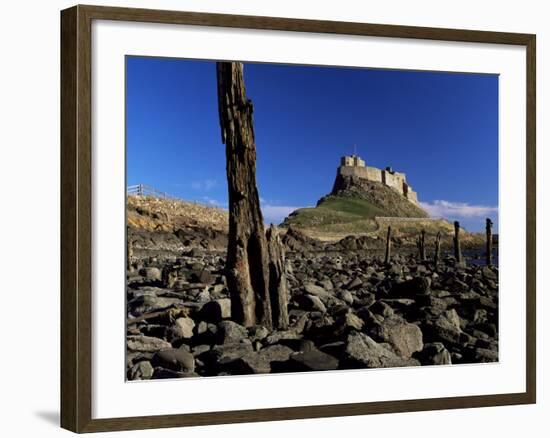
(489, 242)
(437, 249)
(456, 241)
(387, 258)
(247, 266)
(421, 244)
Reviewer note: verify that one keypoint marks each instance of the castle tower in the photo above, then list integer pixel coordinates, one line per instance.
(354, 166)
(352, 161)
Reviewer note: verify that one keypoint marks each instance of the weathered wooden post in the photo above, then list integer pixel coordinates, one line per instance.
(277, 279)
(456, 241)
(420, 243)
(489, 243)
(248, 258)
(388, 246)
(437, 248)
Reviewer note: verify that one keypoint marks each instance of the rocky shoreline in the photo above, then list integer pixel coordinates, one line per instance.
(347, 310)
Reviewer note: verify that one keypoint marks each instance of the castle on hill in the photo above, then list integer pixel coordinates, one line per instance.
(354, 166)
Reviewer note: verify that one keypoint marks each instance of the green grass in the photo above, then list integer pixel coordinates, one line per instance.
(338, 214)
(355, 208)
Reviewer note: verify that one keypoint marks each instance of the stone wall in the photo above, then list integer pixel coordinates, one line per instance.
(395, 180)
(367, 172)
(355, 166)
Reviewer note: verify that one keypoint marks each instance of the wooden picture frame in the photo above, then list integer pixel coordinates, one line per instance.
(76, 218)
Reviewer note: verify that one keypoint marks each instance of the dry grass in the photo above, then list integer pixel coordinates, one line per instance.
(154, 214)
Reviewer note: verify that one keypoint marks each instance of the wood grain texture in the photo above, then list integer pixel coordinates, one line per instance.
(69, 346)
(531, 216)
(76, 224)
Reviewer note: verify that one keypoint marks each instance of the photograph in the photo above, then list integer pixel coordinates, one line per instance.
(289, 218)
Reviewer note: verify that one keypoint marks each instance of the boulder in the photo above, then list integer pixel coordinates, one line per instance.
(447, 328)
(229, 332)
(405, 338)
(312, 360)
(356, 283)
(485, 355)
(347, 297)
(260, 362)
(258, 333)
(318, 291)
(416, 286)
(363, 352)
(182, 328)
(142, 370)
(347, 322)
(150, 303)
(310, 302)
(216, 310)
(176, 359)
(381, 308)
(434, 353)
(224, 354)
(151, 274)
(166, 373)
(146, 343)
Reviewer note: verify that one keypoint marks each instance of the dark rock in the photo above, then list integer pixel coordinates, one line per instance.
(311, 302)
(216, 310)
(485, 355)
(335, 349)
(318, 291)
(488, 328)
(416, 286)
(434, 354)
(261, 362)
(176, 359)
(151, 274)
(200, 349)
(230, 332)
(146, 343)
(346, 323)
(489, 274)
(224, 354)
(149, 303)
(381, 308)
(258, 333)
(142, 370)
(364, 299)
(312, 360)
(362, 351)
(355, 284)
(166, 373)
(447, 328)
(204, 277)
(347, 297)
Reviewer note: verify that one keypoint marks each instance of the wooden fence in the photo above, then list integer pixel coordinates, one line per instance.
(145, 190)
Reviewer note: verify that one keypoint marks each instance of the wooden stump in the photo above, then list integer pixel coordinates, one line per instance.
(421, 244)
(387, 258)
(247, 266)
(489, 242)
(437, 249)
(278, 288)
(456, 241)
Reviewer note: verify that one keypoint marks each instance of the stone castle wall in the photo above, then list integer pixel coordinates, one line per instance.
(355, 166)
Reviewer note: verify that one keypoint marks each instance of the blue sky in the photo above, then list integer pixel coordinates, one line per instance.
(441, 129)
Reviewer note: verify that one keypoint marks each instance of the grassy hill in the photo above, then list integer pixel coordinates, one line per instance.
(351, 208)
(337, 215)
